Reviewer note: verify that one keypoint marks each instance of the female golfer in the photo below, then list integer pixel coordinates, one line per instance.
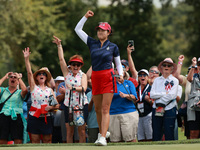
(103, 85)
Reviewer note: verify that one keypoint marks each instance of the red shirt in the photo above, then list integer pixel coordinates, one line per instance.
(134, 81)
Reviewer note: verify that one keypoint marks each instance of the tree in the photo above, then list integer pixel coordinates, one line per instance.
(193, 26)
(133, 20)
(171, 23)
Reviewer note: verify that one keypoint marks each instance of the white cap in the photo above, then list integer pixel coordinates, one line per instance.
(59, 78)
(143, 70)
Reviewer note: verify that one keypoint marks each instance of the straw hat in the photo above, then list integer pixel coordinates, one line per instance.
(167, 60)
(42, 70)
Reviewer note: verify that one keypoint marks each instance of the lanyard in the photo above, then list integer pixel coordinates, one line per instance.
(140, 91)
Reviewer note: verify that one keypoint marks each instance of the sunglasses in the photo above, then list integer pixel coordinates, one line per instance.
(154, 71)
(140, 75)
(44, 74)
(13, 77)
(166, 65)
(76, 64)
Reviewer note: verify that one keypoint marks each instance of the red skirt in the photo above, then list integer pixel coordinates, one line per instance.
(103, 82)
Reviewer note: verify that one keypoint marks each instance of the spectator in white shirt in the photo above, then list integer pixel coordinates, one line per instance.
(164, 91)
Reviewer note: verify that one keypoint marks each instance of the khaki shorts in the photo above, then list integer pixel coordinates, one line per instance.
(123, 127)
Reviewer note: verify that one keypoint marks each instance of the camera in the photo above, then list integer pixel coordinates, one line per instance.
(52, 101)
(131, 43)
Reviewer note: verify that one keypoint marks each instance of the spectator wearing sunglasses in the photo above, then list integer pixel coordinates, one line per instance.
(76, 81)
(164, 91)
(153, 73)
(103, 85)
(144, 105)
(11, 116)
(193, 104)
(40, 121)
(123, 115)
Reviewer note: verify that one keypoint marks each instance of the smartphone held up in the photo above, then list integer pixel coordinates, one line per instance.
(131, 43)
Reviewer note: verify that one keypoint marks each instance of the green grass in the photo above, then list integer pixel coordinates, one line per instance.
(112, 147)
(181, 135)
(194, 145)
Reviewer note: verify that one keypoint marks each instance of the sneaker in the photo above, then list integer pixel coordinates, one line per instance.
(99, 135)
(102, 141)
(107, 134)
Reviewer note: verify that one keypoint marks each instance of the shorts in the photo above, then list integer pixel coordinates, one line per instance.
(123, 127)
(11, 127)
(145, 131)
(85, 113)
(103, 82)
(38, 125)
(195, 125)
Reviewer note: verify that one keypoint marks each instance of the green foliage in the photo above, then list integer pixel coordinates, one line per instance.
(172, 26)
(132, 20)
(193, 26)
(26, 23)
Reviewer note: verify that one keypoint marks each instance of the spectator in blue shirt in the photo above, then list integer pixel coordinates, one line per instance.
(123, 115)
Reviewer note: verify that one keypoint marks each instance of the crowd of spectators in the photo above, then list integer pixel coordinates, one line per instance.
(75, 107)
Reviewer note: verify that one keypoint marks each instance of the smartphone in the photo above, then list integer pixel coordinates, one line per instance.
(131, 43)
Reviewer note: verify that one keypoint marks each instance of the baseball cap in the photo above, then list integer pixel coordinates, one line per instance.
(124, 62)
(143, 70)
(59, 78)
(104, 26)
